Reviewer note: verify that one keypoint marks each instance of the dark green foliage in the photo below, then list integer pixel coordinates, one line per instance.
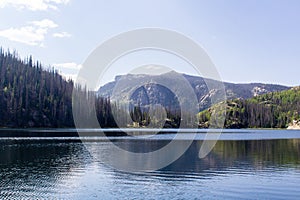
(31, 96)
(272, 110)
(143, 119)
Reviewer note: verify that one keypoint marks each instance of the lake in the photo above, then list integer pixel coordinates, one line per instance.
(244, 164)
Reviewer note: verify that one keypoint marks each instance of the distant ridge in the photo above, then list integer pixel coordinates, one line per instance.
(153, 94)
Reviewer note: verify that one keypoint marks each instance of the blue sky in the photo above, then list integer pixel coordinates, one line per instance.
(249, 41)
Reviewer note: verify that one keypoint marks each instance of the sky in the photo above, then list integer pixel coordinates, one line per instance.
(248, 41)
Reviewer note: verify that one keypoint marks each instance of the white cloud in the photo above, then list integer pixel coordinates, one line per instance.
(27, 35)
(33, 5)
(69, 65)
(68, 70)
(61, 35)
(69, 76)
(33, 34)
(45, 23)
(153, 67)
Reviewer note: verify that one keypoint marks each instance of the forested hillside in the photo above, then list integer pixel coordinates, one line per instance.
(272, 110)
(32, 96)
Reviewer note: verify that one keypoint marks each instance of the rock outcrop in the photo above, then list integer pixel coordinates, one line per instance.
(295, 125)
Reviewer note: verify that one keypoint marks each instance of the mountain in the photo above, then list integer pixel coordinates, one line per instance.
(32, 96)
(272, 110)
(151, 93)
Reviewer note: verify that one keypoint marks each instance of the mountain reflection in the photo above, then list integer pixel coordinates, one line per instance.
(35, 168)
(253, 154)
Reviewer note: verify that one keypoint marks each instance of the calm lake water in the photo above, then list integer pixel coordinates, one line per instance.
(244, 164)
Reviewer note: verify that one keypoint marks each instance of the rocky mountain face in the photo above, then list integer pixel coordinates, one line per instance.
(152, 93)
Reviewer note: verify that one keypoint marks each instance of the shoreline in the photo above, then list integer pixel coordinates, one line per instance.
(111, 132)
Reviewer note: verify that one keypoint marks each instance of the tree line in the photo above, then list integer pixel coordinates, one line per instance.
(272, 110)
(34, 96)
